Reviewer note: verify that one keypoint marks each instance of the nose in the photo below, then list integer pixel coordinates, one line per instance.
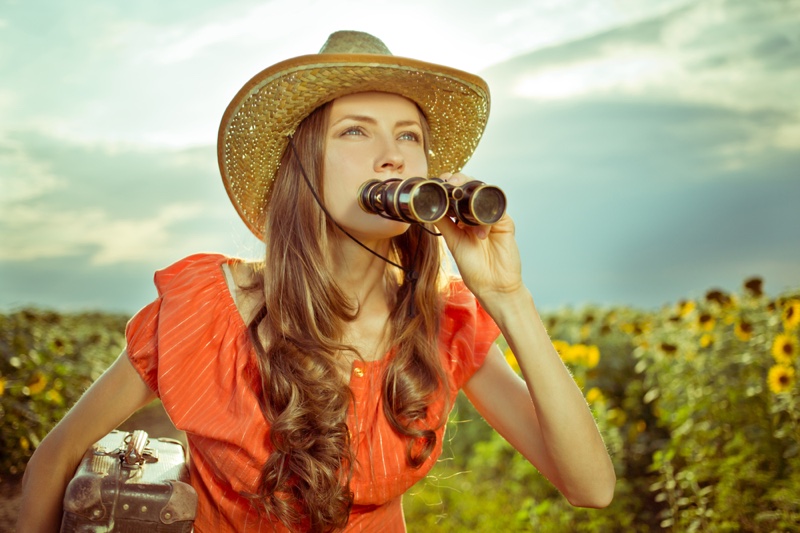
(390, 158)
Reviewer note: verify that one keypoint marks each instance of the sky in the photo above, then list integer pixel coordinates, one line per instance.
(650, 149)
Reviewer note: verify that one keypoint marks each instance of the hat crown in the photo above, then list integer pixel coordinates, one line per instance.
(354, 42)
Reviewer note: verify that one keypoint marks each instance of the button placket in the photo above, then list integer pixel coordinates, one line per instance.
(359, 381)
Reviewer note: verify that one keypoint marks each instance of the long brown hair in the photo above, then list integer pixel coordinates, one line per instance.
(297, 336)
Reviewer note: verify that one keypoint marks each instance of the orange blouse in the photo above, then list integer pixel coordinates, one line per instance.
(191, 347)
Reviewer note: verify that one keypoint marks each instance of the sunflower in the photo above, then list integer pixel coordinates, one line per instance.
(706, 322)
(668, 348)
(53, 396)
(593, 356)
(594, 395)
(780, 378)
(720, 297)
(791, 314)
(562, 348)
(512, 360)
(706, 340)
(685, 307)
(754, 286)
(37, 383)
(581, 354)
(634, 328)
(784, 348)
(743, 330)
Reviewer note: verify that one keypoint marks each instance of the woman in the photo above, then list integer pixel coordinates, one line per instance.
(314, 386)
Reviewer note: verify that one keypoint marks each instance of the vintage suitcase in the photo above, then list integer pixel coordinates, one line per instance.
(128, 483)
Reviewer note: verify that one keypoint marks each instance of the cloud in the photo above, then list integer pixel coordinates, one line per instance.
(162, 73)
(7, 100)
(644, 164)
(110, 203)
(652, 161)
(32, 234)
(634, 70)
(23, 177)
(687, 61)
(690, 54)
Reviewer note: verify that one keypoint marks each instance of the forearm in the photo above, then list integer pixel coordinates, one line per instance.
(556, 430)
(109, 401)
(46, 477)
(579, 463)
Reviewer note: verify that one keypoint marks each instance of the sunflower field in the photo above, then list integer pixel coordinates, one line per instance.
(699, 406)
(698, 403)
(47, 360)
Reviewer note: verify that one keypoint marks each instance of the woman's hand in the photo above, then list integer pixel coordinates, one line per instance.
(487, 256)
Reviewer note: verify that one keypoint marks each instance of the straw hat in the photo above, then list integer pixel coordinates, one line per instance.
(254, 129)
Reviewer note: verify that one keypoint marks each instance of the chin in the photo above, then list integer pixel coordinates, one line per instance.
(376, 227)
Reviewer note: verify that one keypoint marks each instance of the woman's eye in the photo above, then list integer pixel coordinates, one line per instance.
(355, 130)
(409, 136)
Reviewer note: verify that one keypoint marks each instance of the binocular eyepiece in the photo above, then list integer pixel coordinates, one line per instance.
(428, 200)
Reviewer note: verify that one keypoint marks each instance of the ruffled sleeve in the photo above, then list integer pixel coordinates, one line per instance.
(141, 333)
(191, 329)
(467, 334)
(192, 348)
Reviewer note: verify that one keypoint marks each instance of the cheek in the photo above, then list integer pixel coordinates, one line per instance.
(344, 172)
(417, 163)
(339, 197)
(340, 186)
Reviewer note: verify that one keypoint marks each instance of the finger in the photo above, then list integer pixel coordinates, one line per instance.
(453, 229)
(448, 228)
(456, 179)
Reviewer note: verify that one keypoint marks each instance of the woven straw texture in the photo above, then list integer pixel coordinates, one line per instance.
(254, 130)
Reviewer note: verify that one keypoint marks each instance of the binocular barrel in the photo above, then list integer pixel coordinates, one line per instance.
(428, 200)
(409, 200)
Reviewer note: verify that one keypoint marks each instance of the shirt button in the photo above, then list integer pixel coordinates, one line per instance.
(359, 372)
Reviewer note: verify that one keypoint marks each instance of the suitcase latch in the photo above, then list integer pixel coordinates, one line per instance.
(134, 451)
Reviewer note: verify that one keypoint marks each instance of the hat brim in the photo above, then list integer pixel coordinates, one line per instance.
(254, 130)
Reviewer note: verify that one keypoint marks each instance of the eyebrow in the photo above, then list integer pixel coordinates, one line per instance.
(371, 120)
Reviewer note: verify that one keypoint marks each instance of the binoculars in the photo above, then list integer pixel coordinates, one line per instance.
(428, 200)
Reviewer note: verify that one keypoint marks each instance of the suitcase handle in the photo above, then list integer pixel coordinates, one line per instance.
(135, 453)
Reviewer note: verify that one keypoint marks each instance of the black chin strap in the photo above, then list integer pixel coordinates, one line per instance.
(409, 274)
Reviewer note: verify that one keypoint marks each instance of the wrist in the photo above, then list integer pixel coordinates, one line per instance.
(507, 308)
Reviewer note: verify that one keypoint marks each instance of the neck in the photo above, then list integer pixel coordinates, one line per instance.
(362, 277)
(360, 274)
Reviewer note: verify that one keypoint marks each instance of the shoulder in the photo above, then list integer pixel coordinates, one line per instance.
(467, 333)
(193, 267)
(464, 320)
(194, 286)
(458, 299)
(193, 295)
